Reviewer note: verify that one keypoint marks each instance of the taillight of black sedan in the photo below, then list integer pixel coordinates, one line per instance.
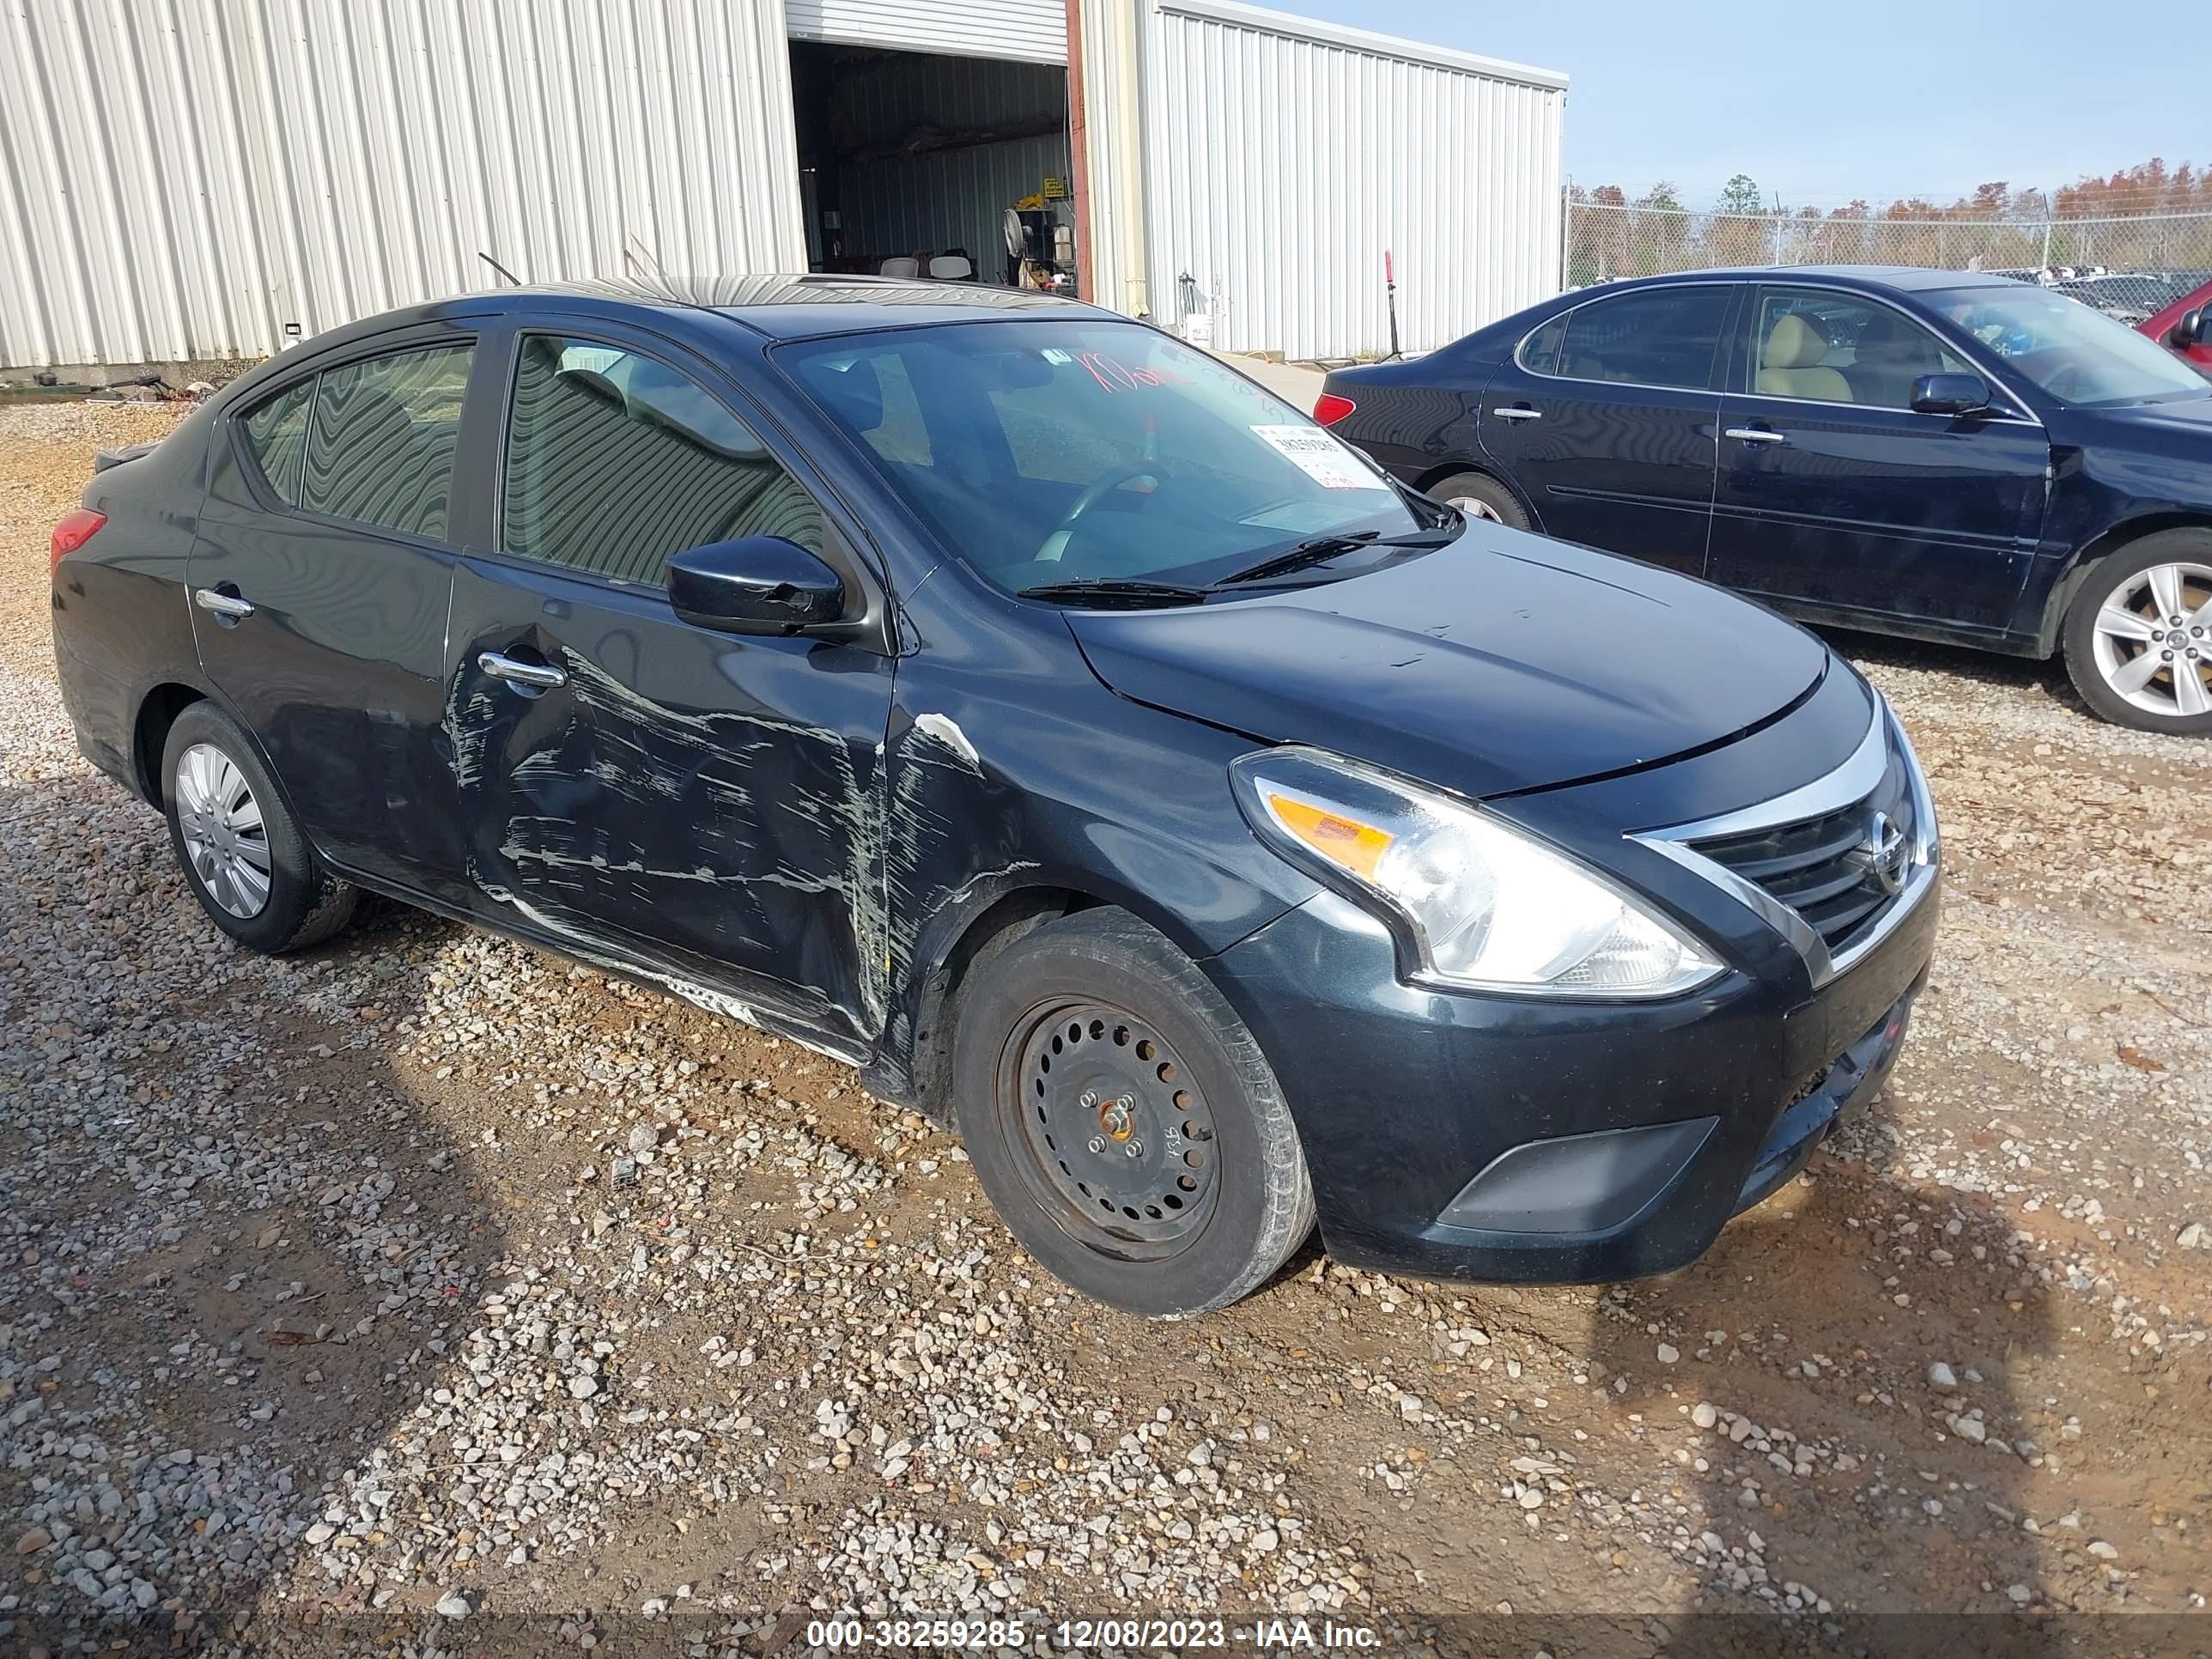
(997, 696)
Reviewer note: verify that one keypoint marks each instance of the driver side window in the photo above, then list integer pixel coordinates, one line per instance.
(616, 463)
(1837, 348)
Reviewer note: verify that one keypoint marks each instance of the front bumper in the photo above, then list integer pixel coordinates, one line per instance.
(1507, 1138)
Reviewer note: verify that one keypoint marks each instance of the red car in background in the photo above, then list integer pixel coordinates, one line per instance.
(2185, 327)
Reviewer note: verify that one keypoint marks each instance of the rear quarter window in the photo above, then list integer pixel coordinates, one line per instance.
(276, 433)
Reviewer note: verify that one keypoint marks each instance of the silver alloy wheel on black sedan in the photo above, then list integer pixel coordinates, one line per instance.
(1479, 496)
(2153, 639)
(223, 834)
(2137, 633)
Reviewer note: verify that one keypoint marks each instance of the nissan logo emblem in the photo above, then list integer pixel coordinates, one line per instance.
(1890, 856)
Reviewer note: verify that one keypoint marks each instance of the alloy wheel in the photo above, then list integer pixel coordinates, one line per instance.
(1476, 509)
(1112, 1133)
(223, 834)
(2153, 639)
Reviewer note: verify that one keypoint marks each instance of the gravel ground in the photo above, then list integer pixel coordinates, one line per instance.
(427, 1293)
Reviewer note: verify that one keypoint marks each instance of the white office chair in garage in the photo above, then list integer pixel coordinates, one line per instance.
(952, 268)
(901, 266)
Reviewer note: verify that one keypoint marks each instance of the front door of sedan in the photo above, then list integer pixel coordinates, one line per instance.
(1837, 501)
(320, 578)
(703, 807)
(1606, 419)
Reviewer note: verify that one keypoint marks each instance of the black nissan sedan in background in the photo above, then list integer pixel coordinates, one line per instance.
(996, 694)
(1952, 457)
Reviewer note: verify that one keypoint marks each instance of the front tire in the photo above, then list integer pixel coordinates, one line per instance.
(1122, 1120)
(1479, 496)
(2138, 635)
(241, 850)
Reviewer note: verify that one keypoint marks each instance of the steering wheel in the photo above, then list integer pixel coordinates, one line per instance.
(1049, 551)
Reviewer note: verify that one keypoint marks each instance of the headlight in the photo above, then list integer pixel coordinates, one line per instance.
(1483, 906)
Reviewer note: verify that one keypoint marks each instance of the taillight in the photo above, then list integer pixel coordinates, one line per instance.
(77, 526)
(1330, 409)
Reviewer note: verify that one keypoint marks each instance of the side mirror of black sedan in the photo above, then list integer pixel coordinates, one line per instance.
(1950, 394)
(2188, 331)
(754, 585)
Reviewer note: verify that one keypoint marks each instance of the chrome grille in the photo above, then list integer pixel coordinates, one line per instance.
(1832, 866)
(1825, 868)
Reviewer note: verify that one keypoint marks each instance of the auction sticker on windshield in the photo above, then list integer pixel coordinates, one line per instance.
(1319, 456)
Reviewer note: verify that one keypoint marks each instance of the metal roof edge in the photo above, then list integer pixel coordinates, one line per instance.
(1385, 45)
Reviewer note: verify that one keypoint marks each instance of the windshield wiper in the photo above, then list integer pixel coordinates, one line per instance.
(1117, 592)
(1322, 548)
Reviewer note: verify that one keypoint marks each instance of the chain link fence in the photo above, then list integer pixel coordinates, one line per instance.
(2132, 267)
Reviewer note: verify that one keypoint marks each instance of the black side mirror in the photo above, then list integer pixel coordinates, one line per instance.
(1950, 394)
(2189, 332)
(754, 585)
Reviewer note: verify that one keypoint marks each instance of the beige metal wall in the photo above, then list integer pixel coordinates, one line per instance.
(183, 179)
(1284, 156)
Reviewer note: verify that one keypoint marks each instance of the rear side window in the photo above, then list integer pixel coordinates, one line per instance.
(380, 446)
(1660, 337)
(616, 463)
(1539, 352)
(276, 432)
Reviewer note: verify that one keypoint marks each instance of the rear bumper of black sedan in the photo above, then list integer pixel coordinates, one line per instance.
(1514, 1140)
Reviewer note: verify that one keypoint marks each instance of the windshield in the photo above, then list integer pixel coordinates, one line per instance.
(1052, 452)
(2075, 354)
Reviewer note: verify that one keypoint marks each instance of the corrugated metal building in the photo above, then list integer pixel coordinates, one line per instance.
(189, 178)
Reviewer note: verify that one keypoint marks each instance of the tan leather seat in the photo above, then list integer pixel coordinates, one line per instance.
(1790, 365)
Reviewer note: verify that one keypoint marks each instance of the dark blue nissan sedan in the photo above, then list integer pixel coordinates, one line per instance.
(996, 694)
(1927, 453)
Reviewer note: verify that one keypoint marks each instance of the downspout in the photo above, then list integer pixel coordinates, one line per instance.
(1128, 141)
(1078, 145)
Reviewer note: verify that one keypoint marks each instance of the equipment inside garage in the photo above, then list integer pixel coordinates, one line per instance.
(930, 165)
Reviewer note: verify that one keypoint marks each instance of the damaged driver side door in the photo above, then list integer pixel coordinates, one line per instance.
(700, 808)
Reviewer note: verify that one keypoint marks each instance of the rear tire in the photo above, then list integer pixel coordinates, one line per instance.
(240, 848)
(1479, 496)
(2138, 635)
(1122, 1120)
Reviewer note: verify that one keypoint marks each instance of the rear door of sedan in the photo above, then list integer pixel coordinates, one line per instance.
(703, 806)
(1606, 417)
(320, 582)
(1837, 501)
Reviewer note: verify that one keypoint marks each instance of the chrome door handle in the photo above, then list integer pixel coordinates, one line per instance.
(1755, 435)
(221, 604)
(543, 676)
(1518, 414)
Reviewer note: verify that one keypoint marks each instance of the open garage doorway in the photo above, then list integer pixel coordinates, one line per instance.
(910, 164)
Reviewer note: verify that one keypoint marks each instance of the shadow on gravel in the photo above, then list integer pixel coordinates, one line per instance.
(1853, 1370)
(232, 1245)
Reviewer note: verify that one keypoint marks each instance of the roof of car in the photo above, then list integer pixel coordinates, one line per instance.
(1897, 276)
(793, 307)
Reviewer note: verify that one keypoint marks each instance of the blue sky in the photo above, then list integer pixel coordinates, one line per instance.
(1824, 103)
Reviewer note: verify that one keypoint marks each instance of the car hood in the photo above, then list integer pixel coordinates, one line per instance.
(1503, 663)
(2188, 420)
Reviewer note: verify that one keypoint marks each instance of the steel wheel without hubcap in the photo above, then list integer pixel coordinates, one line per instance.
(1113, 1134)
(2153, 639)
(223, 834)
